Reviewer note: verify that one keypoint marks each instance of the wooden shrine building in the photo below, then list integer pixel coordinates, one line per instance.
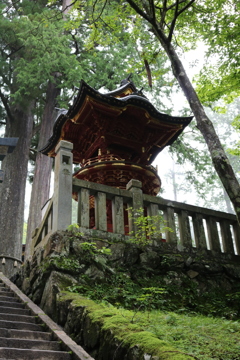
(115, 136)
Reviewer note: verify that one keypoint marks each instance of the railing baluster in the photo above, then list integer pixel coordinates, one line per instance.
(83, 208)
(49, 221)
(199, 233)
(152, 210)
(100, 211)
(184, 228)
(170, 219)
(213, 236)
(135, 187)
(118, 215)
(227, 237)
(138, 201)
(236, 233)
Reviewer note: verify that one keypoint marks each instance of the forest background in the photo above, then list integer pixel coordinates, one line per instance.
(48, 47)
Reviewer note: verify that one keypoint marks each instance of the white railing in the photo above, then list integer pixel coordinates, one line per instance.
(104, 208)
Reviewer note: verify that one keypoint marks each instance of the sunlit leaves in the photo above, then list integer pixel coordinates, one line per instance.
(221, 74)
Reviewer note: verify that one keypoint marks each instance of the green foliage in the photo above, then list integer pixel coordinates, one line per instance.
(236, 125)
(67, 263)
(91, 249)
(147, 227)
(219, 29)
(167, 335)
(139, 290)
(73, 228)
(119, 290)
(192, 163)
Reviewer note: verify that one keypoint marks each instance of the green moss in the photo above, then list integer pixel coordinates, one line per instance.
(121, 323)
(164, 334)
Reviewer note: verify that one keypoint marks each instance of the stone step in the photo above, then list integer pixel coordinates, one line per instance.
(29, 344)
(25, 334)
(18, 318)
(12, 310)
(6, 293)
(4, 289)
(8, 298)
(21, 338)
(20, 325)
(12, 304)
(33, 354)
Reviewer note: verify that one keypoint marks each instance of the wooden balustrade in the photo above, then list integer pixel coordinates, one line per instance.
(45, 229)
(192, 226)
(107, 209)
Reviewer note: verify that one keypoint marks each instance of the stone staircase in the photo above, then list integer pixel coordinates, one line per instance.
(27, 333)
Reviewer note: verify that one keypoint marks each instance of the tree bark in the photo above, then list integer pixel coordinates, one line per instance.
(15, 167)
(218, 155)
(204, 124)
(43, 166)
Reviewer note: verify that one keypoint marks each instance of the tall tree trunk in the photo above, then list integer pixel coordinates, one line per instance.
(204, 124)
(218, 155)
(13, 186)
(43, 165)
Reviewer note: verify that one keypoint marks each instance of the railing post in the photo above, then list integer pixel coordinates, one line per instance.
(62, 198)
(171, 237)
(118, 215)
(83, 208)
(214, 240)
(184, 228)
(236, 233)
(227, 237)
(199, 233)
(100, 211)
(153, 211)
(135, 186)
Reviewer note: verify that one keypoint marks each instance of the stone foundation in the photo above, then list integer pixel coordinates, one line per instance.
(63, 263)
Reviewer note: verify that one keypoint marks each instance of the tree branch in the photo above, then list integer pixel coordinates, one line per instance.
(76, 45)
(139, 11)
(6, 106)
(8, 56)
(6, 81)
(152, 10)
(162, 13)
(185, 7)
(173, 22)
(176, 15)
(104, 5)
(36, 129)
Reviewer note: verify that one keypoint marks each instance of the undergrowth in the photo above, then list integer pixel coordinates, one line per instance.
(168, 335)
(139, 292)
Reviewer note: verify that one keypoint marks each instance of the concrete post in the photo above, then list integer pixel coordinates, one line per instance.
(118, 215)
(100, 211)
(62, 198)
(153, 211)
(83, 208)
(135, 186)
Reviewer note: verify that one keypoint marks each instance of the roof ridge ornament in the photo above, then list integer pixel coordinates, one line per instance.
(126, 80)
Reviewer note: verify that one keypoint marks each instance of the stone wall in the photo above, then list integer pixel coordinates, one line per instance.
(63, 262)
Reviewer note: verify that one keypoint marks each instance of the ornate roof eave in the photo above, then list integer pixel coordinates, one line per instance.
(131, 100)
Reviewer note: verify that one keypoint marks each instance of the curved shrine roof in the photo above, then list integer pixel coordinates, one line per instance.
(123, 117)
